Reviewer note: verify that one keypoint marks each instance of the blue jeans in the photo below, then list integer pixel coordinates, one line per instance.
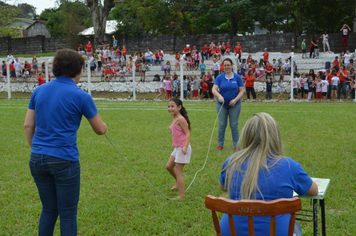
(158, 61)
(342, 86)
(233, 113)
(202, 55)
(150, 60)
(58, 184)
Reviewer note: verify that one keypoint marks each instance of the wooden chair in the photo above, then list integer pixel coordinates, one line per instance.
(253, 208)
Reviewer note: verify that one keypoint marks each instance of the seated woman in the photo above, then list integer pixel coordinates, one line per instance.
(261, 171)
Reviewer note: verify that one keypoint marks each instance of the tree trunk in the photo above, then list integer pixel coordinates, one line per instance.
(100, 15)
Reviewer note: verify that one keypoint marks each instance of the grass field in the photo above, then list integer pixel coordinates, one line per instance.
(115, 201)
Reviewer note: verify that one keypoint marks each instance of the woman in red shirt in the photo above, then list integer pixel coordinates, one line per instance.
(249, 80)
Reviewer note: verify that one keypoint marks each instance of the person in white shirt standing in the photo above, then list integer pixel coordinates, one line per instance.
(325, 38)
(324, 89)
(334, 85)
(216, 68)
(347, 58)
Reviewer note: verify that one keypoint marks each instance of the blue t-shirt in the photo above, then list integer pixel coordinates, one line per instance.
(59, 106)
(114, 43)
(175, 84)
(229, 89)
(202, 68)
(310, 87)
(277, 182)
(241, 73)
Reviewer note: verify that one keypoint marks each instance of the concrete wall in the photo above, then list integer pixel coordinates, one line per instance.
(151, 87)
(172, 44)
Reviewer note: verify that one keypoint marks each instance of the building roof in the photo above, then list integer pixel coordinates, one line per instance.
(23, 23)
(111, 27)
(39, 21)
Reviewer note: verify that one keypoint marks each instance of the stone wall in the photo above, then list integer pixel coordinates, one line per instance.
(148, 87)
(172, 44)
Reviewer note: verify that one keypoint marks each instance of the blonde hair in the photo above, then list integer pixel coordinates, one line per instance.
(260, 138)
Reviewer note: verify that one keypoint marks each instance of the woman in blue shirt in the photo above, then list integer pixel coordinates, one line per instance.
(261, 171)
(231, 89)
(52, 120)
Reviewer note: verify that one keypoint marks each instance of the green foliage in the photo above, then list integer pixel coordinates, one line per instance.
(67, 20)
(8, 16)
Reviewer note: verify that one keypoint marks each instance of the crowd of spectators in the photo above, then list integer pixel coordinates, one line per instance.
(113, 63)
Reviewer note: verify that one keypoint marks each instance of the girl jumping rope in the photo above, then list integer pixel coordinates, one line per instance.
(180, 156)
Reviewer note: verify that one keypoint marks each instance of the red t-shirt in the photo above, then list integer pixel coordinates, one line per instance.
(40, 80)
(228, 48)
(336, 63)
(88, 47)
(187, 50)
(158, 55)
(269, 68)
(178, 57)
(205, 49)
(205, 87)
(217, 50)
(249, 80)
(341, 77)
(265, 56)
(221, 67)
(330, 77)
(123, 51)
(12, 67)
(108, 72)
(238, 49)
(213, 50)
(28, 66)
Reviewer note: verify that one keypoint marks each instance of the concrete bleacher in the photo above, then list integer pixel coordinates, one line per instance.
(304, 65)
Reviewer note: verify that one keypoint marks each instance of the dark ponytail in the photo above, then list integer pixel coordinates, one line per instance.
(182, 111)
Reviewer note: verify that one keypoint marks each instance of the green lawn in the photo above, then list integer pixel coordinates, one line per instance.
(116, 201)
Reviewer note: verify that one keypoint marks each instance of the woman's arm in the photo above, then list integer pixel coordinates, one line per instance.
(222, 188)
(98, 125)
(30, 125)
(313, 190)
(217, 94)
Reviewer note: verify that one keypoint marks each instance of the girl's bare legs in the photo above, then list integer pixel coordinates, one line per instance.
(281, 94)
(179, 180)
(170, 167)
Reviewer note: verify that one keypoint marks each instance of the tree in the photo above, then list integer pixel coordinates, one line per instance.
(67, 21)
(100, 14)
(8, 16)
(27, 10)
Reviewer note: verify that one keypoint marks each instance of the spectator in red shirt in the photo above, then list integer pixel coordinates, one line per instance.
(249, 80)
(238, 50)
(205, 52)
(217, 53)
(265, 56)
(336, 64)
(187, 51)
(123, 51)
(342, 74)
(228, 48)
(40, 79)
(158, 57)
(12, 71)
(88, 48)
(205, 90)
(268, 70)
(329, 77)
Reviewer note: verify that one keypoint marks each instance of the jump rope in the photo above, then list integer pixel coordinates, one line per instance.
(196, 173)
